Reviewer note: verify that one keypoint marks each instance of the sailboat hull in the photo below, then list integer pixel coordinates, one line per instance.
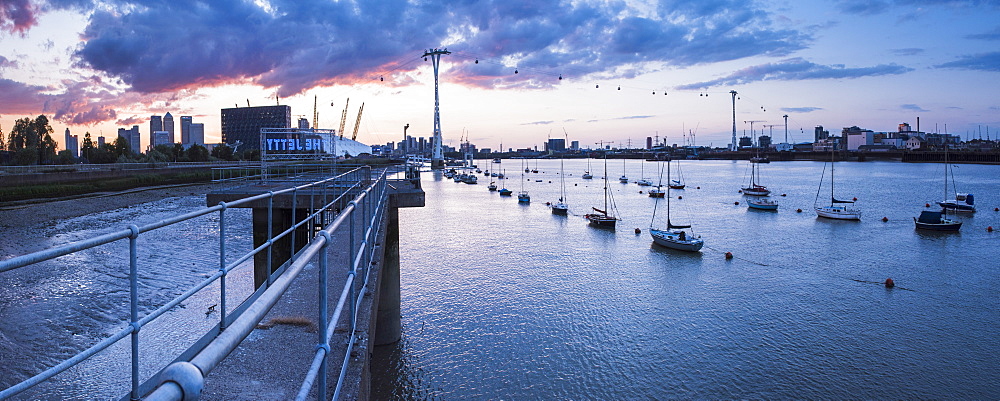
(601, 220)
(838, 213)
(756, 191)
(762, 204)
(945, 225)
(957, 206)
(560, 208)
(676, 240)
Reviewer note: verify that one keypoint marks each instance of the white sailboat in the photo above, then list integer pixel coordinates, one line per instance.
(837, 209)
(755, 189)
(623, 179)
(674, 236)
(560, 207)
(643, 181)
(586, 174)
(522, 196)
(962, 202)
(603, 218)
(679, 182)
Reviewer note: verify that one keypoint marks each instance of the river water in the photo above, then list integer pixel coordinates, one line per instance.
(506, 301)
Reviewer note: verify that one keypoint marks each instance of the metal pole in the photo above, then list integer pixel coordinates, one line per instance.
(222, 266)
(133, 278)
(270, 224)
(323, 299)
(295, 196)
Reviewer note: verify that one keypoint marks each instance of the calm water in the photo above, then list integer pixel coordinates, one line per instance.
(507, 301)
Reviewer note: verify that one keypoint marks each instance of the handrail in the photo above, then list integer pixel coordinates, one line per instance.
(370, 202)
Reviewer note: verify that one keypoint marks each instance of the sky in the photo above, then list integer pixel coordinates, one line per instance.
(519, 72)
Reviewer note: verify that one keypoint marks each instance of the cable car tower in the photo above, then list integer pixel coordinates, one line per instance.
(437, 157)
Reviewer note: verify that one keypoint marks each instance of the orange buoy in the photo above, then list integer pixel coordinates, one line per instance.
(548, 203)
(680, 197)
(889, 283)
(638, 231)
(784, 195)
(729, 255)
(855, 198)
(885, 219)
(736, 203)
(640, 191)
(550, 182)
(697, 187)
(996, 209)
(740, 191)
(927, 205)
(575, 185)
(989, 229)
(798, 210)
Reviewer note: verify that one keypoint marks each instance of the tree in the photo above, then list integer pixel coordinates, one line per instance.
(223, 152)
(3, 144)
(120, 147)
(35, 135)
(65, 157)
(197, 153)
(88, 147)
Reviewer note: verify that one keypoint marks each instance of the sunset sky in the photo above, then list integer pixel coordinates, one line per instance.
(99, 65)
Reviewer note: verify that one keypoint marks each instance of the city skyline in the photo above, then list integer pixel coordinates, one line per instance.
(518, 74)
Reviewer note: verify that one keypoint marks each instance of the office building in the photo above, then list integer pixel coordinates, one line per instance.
(72, 143)
(197, 134)
(556, 145)
(161, 138)
(241, 125)
(155, 124)
(186, 122)
(168, 125)
(133, 137)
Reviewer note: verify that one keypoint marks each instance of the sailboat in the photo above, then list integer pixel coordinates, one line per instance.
(643, 181)
(938, 221)
(602, 219)
(623, 179)
(679, 182)
(837, 209)
(962, 202)
(586, 174)
(673, 237)
(560, 207)
(504, 191)
(755, 189)
(522, 196)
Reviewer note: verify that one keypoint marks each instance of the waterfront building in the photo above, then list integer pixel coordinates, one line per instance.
(168, 125)
(186, 122)
(764, 141)
(132, 136)
(197, 134)
(915, 142)
(857, 137)
(746, 142)
(161, 138)
(575, 145)
(820, 134)
(100, 141)
(72, 143)
(155, 124)
(303, 123)
(555, 145)
(241, 125)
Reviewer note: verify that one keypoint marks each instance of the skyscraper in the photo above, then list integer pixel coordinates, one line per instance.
(155, 124)
(72, 144)
(242, 124)
(197, 134)
(186, 130)
(168, 125)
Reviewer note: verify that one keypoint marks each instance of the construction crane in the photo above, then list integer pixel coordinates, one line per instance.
(315, 112)
(343, 116)
(357, 123)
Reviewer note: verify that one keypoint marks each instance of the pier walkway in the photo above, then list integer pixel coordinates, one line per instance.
(325, 290)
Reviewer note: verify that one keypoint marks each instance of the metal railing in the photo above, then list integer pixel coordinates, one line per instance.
(64, 168)
(183, 380)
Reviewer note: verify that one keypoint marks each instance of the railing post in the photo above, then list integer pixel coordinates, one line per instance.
(351, 268)
(295, 196)
(133, 278)
(222, 266)
(270, 238)
(323, 312)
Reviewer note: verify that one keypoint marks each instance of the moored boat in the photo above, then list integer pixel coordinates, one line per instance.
(935, 221)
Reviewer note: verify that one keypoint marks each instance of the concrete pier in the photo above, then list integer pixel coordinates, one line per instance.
(271, 363)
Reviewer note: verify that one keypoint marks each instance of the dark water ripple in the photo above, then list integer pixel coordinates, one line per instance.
(506, 301)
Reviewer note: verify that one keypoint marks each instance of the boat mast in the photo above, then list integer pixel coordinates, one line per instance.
(668, 196)
(605, 183)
